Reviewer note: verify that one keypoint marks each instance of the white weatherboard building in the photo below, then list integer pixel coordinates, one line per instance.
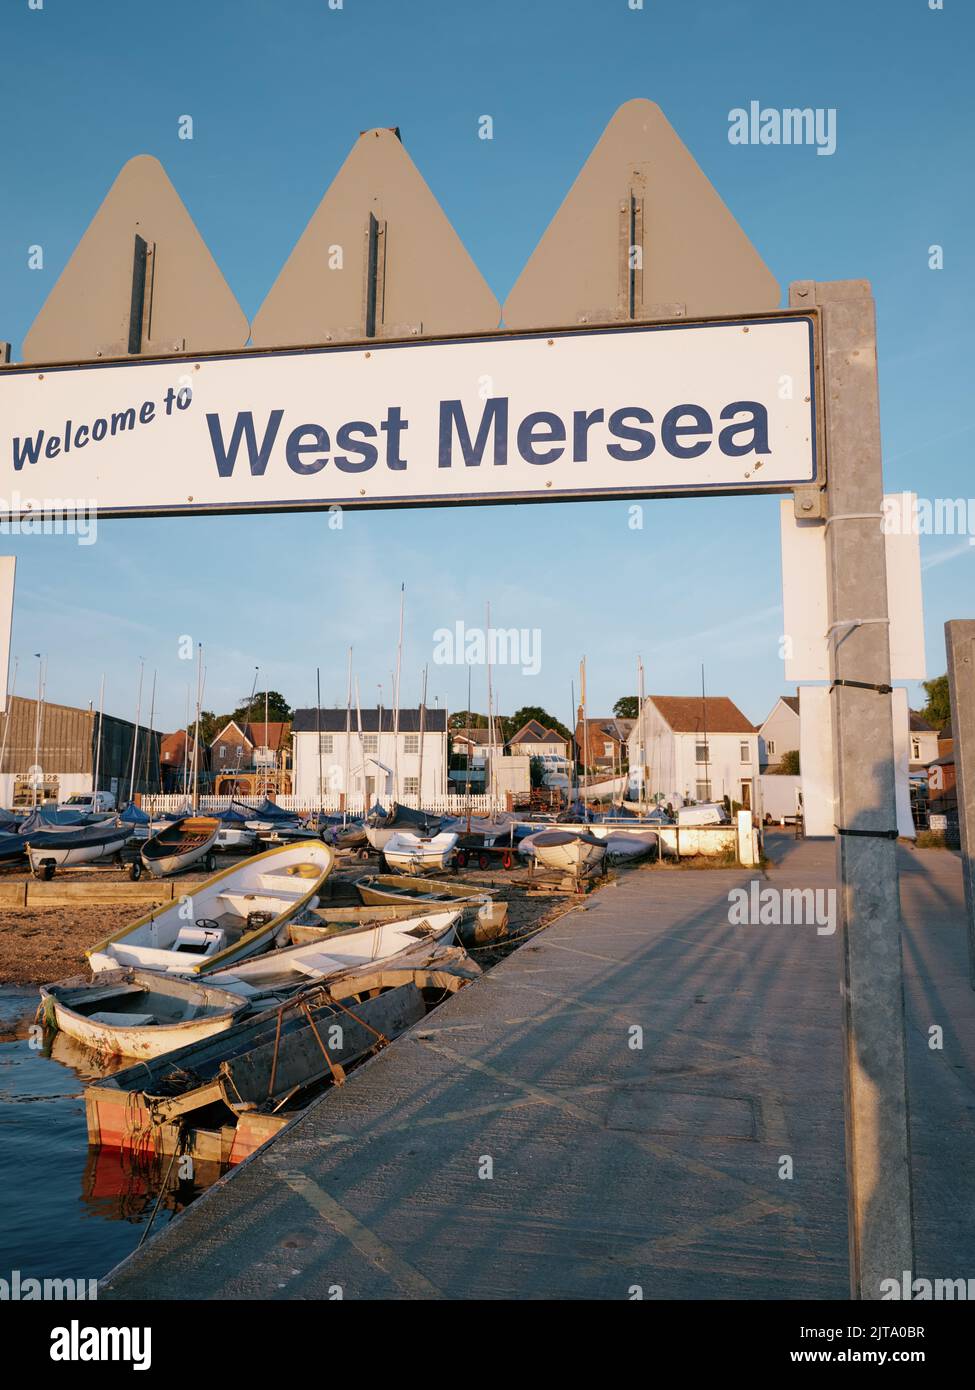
(780, 732)
(375, 757)
(685, 748)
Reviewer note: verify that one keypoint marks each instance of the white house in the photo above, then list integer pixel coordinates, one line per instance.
(923, 740)
(689, 748)
(780, 732)
(382, 764)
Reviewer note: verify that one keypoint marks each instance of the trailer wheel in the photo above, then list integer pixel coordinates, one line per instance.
(460, 858)
(210, 862)
(362, 854)
(507, 859)
(45, 872)
(135, 870)
(483, 860)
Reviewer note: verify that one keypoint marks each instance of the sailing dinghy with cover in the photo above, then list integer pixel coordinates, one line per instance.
(182, 844)
(65, 846)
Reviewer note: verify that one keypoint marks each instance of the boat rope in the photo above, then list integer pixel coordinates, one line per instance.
(181, 1137)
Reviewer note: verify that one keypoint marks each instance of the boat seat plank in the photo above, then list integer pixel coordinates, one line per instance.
(102, 994)
(114, 1020)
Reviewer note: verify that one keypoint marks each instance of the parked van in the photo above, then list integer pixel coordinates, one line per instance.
(90, 803)
(706, 813)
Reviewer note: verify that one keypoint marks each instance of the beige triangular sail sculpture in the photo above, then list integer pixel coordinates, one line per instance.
(379, 259)
(141, 280)
(641, 234)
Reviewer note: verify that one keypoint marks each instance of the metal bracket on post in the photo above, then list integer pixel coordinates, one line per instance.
(631, 254)
(374, 290)
(810, 503)
(140, 313)
(4, 354)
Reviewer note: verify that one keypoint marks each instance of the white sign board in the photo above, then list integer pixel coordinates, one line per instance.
(8, 566)
(816, 761)
(804, 594)
(673, 409)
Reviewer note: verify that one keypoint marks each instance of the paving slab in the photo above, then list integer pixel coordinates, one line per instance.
(645, 1099)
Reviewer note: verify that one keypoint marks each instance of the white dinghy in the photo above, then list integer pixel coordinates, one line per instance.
(138, 1013)
(332, 952)
(234, 914)
(569, 850)
(418, 853)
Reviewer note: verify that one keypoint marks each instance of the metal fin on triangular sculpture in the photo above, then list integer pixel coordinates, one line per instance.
(379, 258)
(140, 280)
(642, 234)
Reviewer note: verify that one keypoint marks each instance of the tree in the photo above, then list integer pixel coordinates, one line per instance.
(536, 770)
(466, 719)
(937, 711)
(627, 707)
(252, 711)
(521, 717)
(788, 763)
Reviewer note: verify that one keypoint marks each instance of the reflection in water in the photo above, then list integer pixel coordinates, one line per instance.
(67, 1209)
(119, 1185)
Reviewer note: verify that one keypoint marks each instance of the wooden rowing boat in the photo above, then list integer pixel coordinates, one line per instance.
(138, 1013)
(180, 845)
(320, 959)
(385, 890)
(226, 1096)
(234, 914)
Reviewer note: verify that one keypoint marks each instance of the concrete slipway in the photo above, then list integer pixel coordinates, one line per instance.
(612, 1166)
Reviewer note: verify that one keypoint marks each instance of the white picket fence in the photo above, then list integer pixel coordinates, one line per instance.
(449, 805)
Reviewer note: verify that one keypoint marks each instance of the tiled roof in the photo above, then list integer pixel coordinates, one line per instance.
(332, 721)
(690, 714)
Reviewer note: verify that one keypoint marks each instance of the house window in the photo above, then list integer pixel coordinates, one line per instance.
(703, 791)
(770, 747)
(744, 752)
(411, 786)
(607, 750)
(701, 751)
(223, 751)
(916, 749)
(325, 742)
(370, 743)
(412, 743)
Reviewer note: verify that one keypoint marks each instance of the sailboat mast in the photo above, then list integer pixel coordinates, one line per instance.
(396, 687)
(186, 746)
(135, 734)
(707, 751)
(196, 736)
(362, 750)
(152, 715)
(348, 741)
(643, 734)
(318, 735)
(423, 711)
(98, 745)
(37, 720)
(490, 695)
(6, 717)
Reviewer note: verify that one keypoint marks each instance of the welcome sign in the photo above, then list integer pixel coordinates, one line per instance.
(677, 408)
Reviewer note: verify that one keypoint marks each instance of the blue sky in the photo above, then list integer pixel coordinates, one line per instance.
(278, 91)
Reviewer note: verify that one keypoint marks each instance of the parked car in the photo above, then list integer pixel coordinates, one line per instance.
(90, 802)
